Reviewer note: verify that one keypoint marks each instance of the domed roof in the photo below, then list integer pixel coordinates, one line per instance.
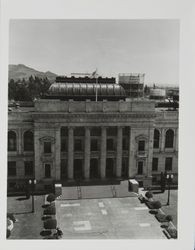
(86, 90)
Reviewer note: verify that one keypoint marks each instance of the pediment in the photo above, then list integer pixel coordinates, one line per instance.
(47, 139)
(141, 137)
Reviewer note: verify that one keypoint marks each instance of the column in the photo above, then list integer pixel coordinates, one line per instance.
(37, 155)
(162, 145)
(20, 141)
(57, 154)
(87, 153)
(70, 153)
(129, 154)
(119, 152)
(103, 154)
(176, 139)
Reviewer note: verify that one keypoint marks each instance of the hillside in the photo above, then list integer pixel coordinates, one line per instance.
(21, 71)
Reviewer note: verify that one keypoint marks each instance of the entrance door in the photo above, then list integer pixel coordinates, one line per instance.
(78, 169)
(109, 167)
(94, 173)
(63, 169)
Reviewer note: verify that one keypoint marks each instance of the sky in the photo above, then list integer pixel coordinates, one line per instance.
(111, 46)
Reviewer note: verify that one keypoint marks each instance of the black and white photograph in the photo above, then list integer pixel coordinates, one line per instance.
(93, 129)
(95, 125)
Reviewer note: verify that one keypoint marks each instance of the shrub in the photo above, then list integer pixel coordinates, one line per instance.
(149, 194)
(51, 197)
(169, 218)
(50, 224)
(50, 211)
(156, 204)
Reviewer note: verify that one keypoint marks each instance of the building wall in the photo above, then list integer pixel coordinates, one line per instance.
(50, 116)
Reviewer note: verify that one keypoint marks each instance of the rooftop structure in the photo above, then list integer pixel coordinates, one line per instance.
(132, 83)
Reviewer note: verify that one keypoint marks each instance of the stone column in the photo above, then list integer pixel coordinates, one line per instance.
(129, 154)
(87, 153)
(37, 155)
(162, 145)
(103, 153)
(70, 153)
(57, 154)
(20, 142)
(119, 152)
(176, 139)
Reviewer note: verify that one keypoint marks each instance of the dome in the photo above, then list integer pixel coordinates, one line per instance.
(86, 91)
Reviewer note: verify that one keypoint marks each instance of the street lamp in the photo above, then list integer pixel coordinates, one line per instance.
(169, 178)
(32, 184)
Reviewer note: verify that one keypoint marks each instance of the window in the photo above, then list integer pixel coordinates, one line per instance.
(140, 168)
(64, 131)
(11, 168)
(169, 138)
(141, 145)
(125, 143)
(64, 138)
(28, 141)
(28, 168)
(95, 131)
(155, 164)
(11, 141)
(64, 146)
(126, 131)
(78, 145)
(47, 147)
(110, 144)
(112, 131)
(63, 169)
(47, 170)
(156, 138)
(94, 144)
(168, 163)
(80, 131)
(124, 167)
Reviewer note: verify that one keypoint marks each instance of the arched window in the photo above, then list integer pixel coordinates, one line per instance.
(156, 138)
(169, 138)
(28, 141)
(12, 142)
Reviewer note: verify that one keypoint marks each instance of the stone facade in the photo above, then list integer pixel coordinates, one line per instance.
(88, 140)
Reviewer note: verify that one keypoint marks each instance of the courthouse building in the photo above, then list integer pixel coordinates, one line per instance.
(68, 136)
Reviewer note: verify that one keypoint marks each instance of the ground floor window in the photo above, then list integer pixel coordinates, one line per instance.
(140, 167)
(64, 169)
(47, 170)
(125, 167)
(28, 168)
(78, 169)
(168, 163)
(11, 168)
(155, 164)
(94, 168)
(110, 168)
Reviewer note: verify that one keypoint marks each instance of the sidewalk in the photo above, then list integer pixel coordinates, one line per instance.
(29, 224)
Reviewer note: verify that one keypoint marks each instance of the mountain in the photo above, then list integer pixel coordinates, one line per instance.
(21, 71)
